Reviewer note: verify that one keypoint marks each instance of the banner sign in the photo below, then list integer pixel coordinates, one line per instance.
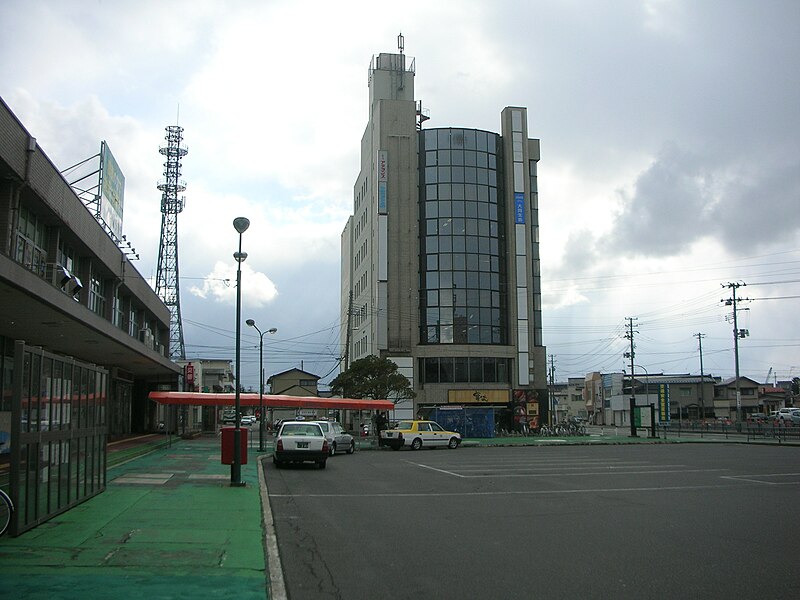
(519, 208)
(382, 180)
(663, 403)
(112, 191)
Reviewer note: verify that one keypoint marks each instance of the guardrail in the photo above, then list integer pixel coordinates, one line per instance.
(777, 431)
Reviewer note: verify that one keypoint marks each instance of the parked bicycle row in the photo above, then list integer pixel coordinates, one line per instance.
(544, 430)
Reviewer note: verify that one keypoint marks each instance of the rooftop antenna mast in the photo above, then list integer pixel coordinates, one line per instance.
(400, 47)
(167, 286)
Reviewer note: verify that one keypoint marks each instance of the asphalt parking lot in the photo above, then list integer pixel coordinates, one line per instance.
(626, 521)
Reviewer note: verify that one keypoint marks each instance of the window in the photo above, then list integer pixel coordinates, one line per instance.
(31, 241)
(97, 294)
(460, 237)
(465, 370)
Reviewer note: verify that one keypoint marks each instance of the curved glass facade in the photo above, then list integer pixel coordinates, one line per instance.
(462, 270)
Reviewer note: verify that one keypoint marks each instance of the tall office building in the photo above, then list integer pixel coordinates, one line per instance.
(440, 259)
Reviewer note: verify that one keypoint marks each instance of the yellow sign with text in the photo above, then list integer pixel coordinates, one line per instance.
(477, 396)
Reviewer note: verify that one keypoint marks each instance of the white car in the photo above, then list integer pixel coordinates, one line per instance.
(248, 419)
(784, 414)
(418, 434)
(300, 441)
(338, 439)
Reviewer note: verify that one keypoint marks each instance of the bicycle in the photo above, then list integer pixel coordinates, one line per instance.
(6, 511)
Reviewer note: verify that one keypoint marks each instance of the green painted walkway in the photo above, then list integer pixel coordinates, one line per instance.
(168, 526)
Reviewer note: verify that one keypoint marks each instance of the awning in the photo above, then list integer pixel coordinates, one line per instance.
(268, 400)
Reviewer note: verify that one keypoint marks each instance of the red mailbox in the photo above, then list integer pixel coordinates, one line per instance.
(227, 445)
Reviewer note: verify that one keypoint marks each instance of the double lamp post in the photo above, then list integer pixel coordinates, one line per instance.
(252, 323)
(240, 224)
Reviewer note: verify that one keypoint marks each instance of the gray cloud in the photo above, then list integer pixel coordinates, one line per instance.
(683, 197)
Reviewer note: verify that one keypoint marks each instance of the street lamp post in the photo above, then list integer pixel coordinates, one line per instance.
(240, 224)
(252, 323)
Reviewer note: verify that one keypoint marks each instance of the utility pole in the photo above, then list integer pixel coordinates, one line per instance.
(630, 355)
(700, 337)
(737, 333)
(552, 403)
(349, 329)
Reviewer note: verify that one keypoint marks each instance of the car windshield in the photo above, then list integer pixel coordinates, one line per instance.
(324, 424)
(301, 429)
(404, 425)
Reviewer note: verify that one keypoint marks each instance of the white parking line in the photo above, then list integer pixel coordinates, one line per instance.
(548, 463)
(609, 471)
(563, 468)
(758, 478)
(670, 488)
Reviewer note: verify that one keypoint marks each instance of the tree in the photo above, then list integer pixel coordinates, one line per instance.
(372, 377)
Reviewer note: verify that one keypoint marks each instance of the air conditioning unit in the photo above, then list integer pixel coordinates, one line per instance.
(58, 275)
(146, 337)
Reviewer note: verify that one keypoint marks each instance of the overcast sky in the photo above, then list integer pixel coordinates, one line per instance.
(670, 136)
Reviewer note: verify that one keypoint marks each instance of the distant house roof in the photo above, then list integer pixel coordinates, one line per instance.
(732, 381)
(295, 371)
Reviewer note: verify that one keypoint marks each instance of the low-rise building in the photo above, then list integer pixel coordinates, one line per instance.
(83, 334)
(294, 382)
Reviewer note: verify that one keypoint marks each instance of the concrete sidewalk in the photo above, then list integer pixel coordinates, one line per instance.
(168, 526)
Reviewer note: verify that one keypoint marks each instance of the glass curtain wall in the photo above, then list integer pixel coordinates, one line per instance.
(462, 270)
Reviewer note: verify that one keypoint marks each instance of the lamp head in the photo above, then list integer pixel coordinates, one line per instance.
(240, 256)
(272, 330)
(250, 323)
(240, 224)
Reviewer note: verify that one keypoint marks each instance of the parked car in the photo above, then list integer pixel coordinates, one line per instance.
(795, 416)
(784, 414)
(300, 441)
(338, 439)
(248, 419)
(416, 434)
(757, 417)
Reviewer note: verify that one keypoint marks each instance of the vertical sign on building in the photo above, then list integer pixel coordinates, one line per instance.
(190, 377)
(382, 180)
(519, 208)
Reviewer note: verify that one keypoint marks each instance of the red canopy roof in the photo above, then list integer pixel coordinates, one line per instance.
(269, 400)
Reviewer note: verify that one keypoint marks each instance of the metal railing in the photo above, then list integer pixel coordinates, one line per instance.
(778, 431)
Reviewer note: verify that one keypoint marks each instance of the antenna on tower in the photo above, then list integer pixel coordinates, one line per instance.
(400, 47)
(167, 279)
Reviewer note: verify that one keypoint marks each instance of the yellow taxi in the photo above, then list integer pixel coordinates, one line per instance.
(416, 434)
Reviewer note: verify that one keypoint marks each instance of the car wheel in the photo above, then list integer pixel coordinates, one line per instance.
(352, 447)
(333, 449)
(416, 444)
(453, 444)
(321, 464)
